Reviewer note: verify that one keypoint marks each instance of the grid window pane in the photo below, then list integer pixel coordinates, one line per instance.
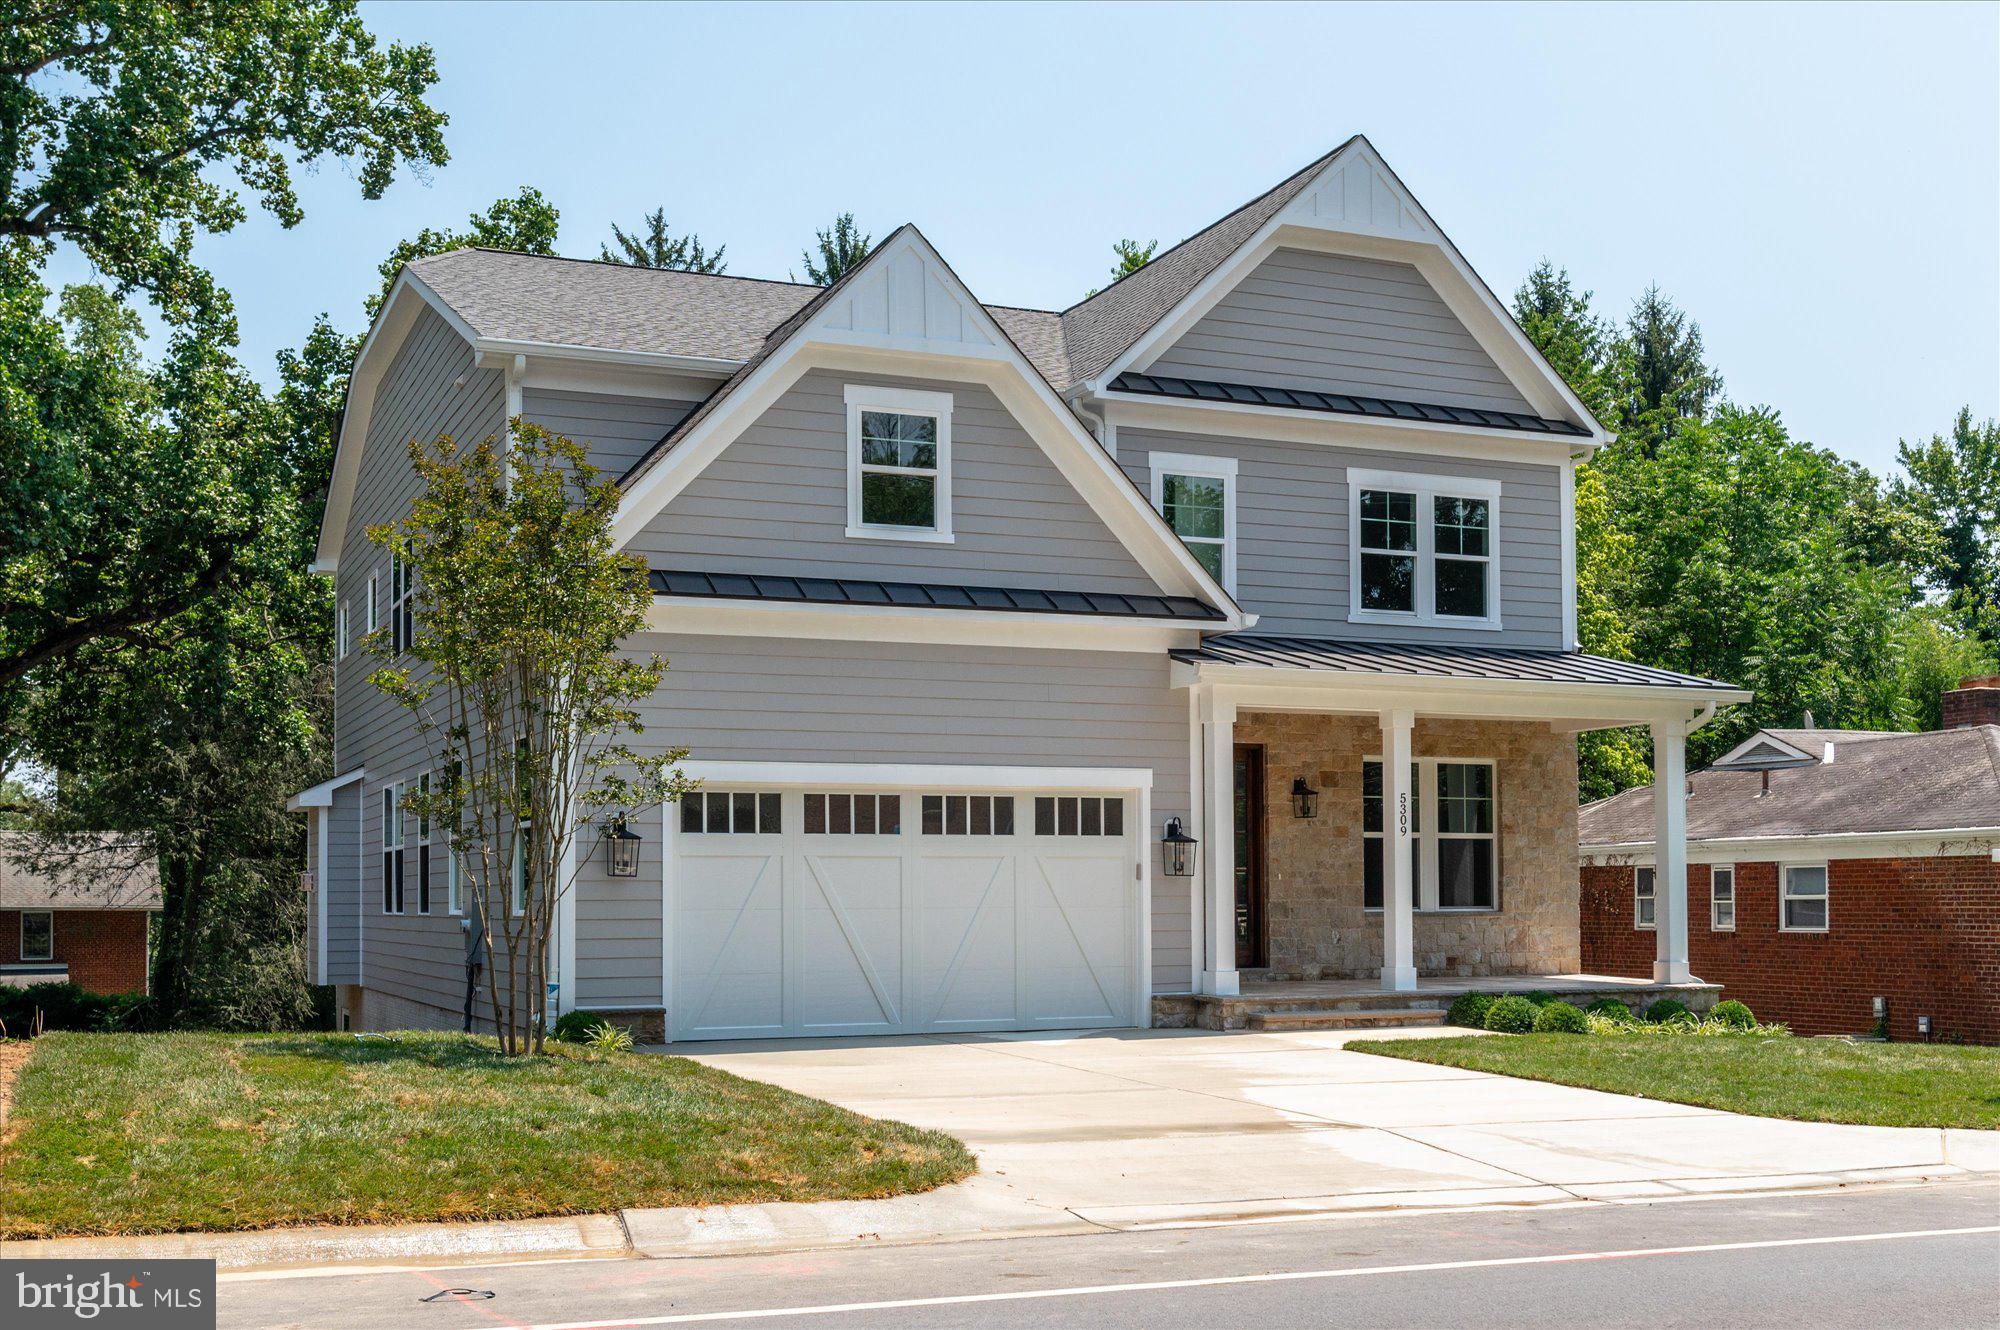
(1207, 553)
(1461, 588)
(1003, 815)
(769, 820)
(1066, 817)
(954, 815)
(1388, 520)
(1461, 526)
(934, 815)
(38, 936)
(889, 499)
(1114, 817)
(840, 814)
(1045, 816)
(889, 814)
(889, 438)
(1465, 798)
(743, 810)
(718, 813)
(982, 815)
(1389, 582)
(1194, 505)
(815, 815)
(864, 815)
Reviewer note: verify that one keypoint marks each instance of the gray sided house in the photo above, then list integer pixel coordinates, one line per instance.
(978, 615)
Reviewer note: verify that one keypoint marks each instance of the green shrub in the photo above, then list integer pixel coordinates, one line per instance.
(578, 1027)
(1664, 1010)
(64, 1006)
(1734, 1014)
(1511, 1015)
(1560, 1018)
(1540, 998)
(1469, 1010)
(1611, 1008)
(608, 1038)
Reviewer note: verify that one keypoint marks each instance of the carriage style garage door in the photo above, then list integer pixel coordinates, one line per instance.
(849, 911)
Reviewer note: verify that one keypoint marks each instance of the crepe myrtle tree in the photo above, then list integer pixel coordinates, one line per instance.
(511, 661)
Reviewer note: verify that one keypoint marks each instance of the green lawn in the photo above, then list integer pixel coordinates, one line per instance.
(169, 1132)
(1816, 1080)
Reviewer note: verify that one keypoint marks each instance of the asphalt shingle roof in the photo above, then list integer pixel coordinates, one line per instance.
(1936, 781)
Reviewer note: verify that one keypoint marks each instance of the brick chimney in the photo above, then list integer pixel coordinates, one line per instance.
(1973, 702)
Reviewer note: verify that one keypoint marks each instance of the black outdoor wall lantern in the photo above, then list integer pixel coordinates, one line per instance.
(1305, 799)
(621, 849)
(1177, 850)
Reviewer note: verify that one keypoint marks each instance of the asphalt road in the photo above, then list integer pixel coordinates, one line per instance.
(1878, 1258)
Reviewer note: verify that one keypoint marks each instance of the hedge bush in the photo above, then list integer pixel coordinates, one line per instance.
(578, 1027)
(1540, 998)
(1734, 1014)
(65, 1006)
(1560, 1018)
(1469, 1010)
(1610, 1007)
(1664, 1010)
(1511, 1015)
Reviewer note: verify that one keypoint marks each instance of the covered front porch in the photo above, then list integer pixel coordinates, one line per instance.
(1384, 819)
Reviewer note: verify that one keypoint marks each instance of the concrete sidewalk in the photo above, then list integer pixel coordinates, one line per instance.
(1091, 1132)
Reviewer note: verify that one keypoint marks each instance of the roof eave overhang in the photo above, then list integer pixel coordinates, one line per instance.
(723, 616)
(321, 795)
(1543, 447)
(1806, 845)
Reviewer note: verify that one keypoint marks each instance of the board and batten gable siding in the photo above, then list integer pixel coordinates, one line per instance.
(430, 388)
(775, 502)
(1292, 537)
(789, 700)
(616, 428)
(1334, 322)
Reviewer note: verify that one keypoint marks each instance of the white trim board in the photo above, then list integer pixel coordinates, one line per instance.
(920, 776)
(702, 615)
(1958, 841)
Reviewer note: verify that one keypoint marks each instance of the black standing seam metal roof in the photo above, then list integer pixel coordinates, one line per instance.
(1444, 662)
(856, 591)
(1343, 404)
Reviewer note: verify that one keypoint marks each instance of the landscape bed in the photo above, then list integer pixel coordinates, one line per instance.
(1813, 1080)
(122, 1134)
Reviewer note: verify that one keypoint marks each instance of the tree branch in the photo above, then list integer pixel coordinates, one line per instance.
(122, 622)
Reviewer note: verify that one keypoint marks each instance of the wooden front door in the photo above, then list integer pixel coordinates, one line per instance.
(1251, 953)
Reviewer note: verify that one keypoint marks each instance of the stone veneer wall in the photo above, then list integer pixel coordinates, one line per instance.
(1316, 925)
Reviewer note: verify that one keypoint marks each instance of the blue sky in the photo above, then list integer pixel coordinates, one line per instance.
(1820, 187)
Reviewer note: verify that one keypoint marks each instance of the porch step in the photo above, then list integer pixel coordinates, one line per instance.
(1345, 1019)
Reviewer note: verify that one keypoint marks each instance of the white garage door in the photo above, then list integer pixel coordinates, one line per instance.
(846, 912)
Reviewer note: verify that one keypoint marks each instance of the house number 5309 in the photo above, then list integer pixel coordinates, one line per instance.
(1402, 815)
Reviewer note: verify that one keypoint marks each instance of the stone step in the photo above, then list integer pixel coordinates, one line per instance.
(1340, 1020)
(1270, 1003)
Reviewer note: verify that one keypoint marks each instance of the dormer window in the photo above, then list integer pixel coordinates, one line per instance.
(1422, 549)
(898, 464)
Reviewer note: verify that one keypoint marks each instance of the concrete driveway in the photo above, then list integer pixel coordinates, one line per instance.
(1130, 1128)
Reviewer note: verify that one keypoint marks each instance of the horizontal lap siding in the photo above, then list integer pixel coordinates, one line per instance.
(340, 880)
(1339, 323)
(775, 502)
(1292, 538)
(617, 429)
(431, 388)
(761, 699)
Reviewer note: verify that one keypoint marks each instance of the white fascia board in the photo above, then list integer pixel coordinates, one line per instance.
(715, 616)
(1785, 849)
(1291, 425)
(1462, 290)
(712, 366)
(919, 776)
(1578, 706)
(321, 795)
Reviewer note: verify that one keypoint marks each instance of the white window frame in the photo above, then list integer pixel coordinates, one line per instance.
(393, 835)
(1424, 843)
(402, 624)
(342, 643)
(22, 940)
(1208, 468)
(903, 402)
(1649, 874)
(1716, 873)
(1427, 490)
(1785, 895)
(373, 622)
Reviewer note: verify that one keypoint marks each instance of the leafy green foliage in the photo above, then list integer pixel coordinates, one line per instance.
(841, 248)
(1732, 1012)
(609, 1038)
(1512, 1014)
(1540, 997)
(1610, 1007)
(651, 245)
(1951, 487)
(64, 1006)
(1662, 1010)
(128, 127)
(1469, 1010)
(1559, 1018)
(577, 1027)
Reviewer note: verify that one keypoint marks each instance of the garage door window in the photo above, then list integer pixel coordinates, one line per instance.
(731, 812)
(854, 815)
(968, 815)
(1073, 815)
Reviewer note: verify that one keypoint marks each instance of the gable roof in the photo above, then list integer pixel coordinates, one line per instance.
(96, 872)
(1943, 780)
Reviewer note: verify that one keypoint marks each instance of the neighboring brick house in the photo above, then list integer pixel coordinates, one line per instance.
(1826, 869)
(84, 920)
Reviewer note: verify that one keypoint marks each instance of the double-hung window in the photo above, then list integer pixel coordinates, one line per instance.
(1722, 898)
(1197, 497)
(424, 847)
(1422, 549)
(371, 620)
(402, 618)
(1802, 898)
(898, 464)
(38, 935)
(1454, 835)
(1643, 899)
(340, 633)
(392, 849)
(453, 887)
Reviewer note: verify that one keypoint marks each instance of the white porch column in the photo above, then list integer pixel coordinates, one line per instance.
(1399, 965)
(1670, 878)
(1218, 802)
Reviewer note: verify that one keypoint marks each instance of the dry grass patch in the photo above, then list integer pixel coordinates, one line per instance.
(177, 1132)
